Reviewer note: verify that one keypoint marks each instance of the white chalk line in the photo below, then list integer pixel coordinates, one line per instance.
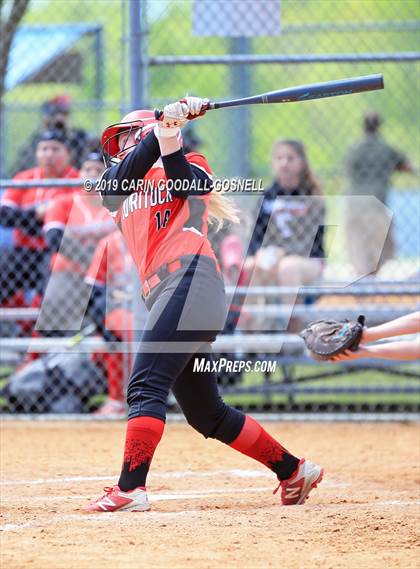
(170, 474)
(233, 473)
(189, 494)
(14, 527)
(116, 517)
(325, 484)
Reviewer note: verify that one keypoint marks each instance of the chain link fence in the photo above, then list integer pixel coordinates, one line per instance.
(340, 207)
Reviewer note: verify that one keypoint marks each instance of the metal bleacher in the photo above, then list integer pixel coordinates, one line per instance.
(287, 348)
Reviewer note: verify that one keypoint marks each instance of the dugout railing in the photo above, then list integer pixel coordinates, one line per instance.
(287, 350)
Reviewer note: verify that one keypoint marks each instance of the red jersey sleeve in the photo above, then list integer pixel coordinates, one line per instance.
(57, 213)
(199, 161)
(12, 197)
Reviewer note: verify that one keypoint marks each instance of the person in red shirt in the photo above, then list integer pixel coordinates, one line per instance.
(23, 267)
(73, 226)
(162, 201)
(107, 275)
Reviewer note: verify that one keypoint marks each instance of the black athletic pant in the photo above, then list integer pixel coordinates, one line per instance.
(187, 310)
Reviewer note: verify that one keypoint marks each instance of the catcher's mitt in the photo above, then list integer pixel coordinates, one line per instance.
(327, 338)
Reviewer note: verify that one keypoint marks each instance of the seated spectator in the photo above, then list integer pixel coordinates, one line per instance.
(23, 266)
(107, 274)
(286, 247)
(74, 225)
(55, 116)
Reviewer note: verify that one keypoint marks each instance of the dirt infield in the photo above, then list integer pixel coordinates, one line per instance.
(212, 507)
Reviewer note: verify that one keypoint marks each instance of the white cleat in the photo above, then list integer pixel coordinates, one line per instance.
(115, 499)
(295, 490)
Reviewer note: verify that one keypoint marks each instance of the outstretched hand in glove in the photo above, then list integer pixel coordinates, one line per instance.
(327, 339)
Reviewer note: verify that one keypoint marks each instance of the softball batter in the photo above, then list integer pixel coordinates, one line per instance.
(161, 200)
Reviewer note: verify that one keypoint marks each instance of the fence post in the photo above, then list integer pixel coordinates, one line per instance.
(138, 77)
(240, 86)
(2, 140)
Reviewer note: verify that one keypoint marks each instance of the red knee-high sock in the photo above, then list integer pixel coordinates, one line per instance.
(143, 436)
(255, 442)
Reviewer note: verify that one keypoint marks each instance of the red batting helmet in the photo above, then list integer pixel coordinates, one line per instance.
(141, 122)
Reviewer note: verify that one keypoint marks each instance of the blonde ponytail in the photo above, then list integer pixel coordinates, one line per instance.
(221, 209)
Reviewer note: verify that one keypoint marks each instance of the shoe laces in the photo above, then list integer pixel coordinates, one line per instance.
(281, 481)
(278, 487)
(107, 490)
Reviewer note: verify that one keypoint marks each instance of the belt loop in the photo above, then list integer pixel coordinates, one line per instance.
(147, 287)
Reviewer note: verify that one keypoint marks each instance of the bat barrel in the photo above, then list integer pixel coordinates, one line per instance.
(346, 86)
(327, 89)
(309, 92)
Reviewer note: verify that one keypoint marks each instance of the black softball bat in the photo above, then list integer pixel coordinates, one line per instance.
(305, 92)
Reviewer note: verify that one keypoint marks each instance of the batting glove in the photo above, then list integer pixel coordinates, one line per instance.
(196, 107)
(176, 115)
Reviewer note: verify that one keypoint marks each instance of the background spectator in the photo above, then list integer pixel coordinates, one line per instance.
(107, 274)
(55, 116)
(92, 166)
(290, 223)
(370, 163)
(23, 266)
(74, 224)
(286, 247)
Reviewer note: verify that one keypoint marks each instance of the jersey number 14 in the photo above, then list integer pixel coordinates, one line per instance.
(162, 220)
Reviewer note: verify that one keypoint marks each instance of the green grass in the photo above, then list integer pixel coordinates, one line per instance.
(359, 379)
(97, 400)
(363, 377)
(338, 399)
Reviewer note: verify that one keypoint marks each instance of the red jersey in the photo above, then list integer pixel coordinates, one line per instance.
(159, 227)
(82, 220)
(111, 263)
(27, 198)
